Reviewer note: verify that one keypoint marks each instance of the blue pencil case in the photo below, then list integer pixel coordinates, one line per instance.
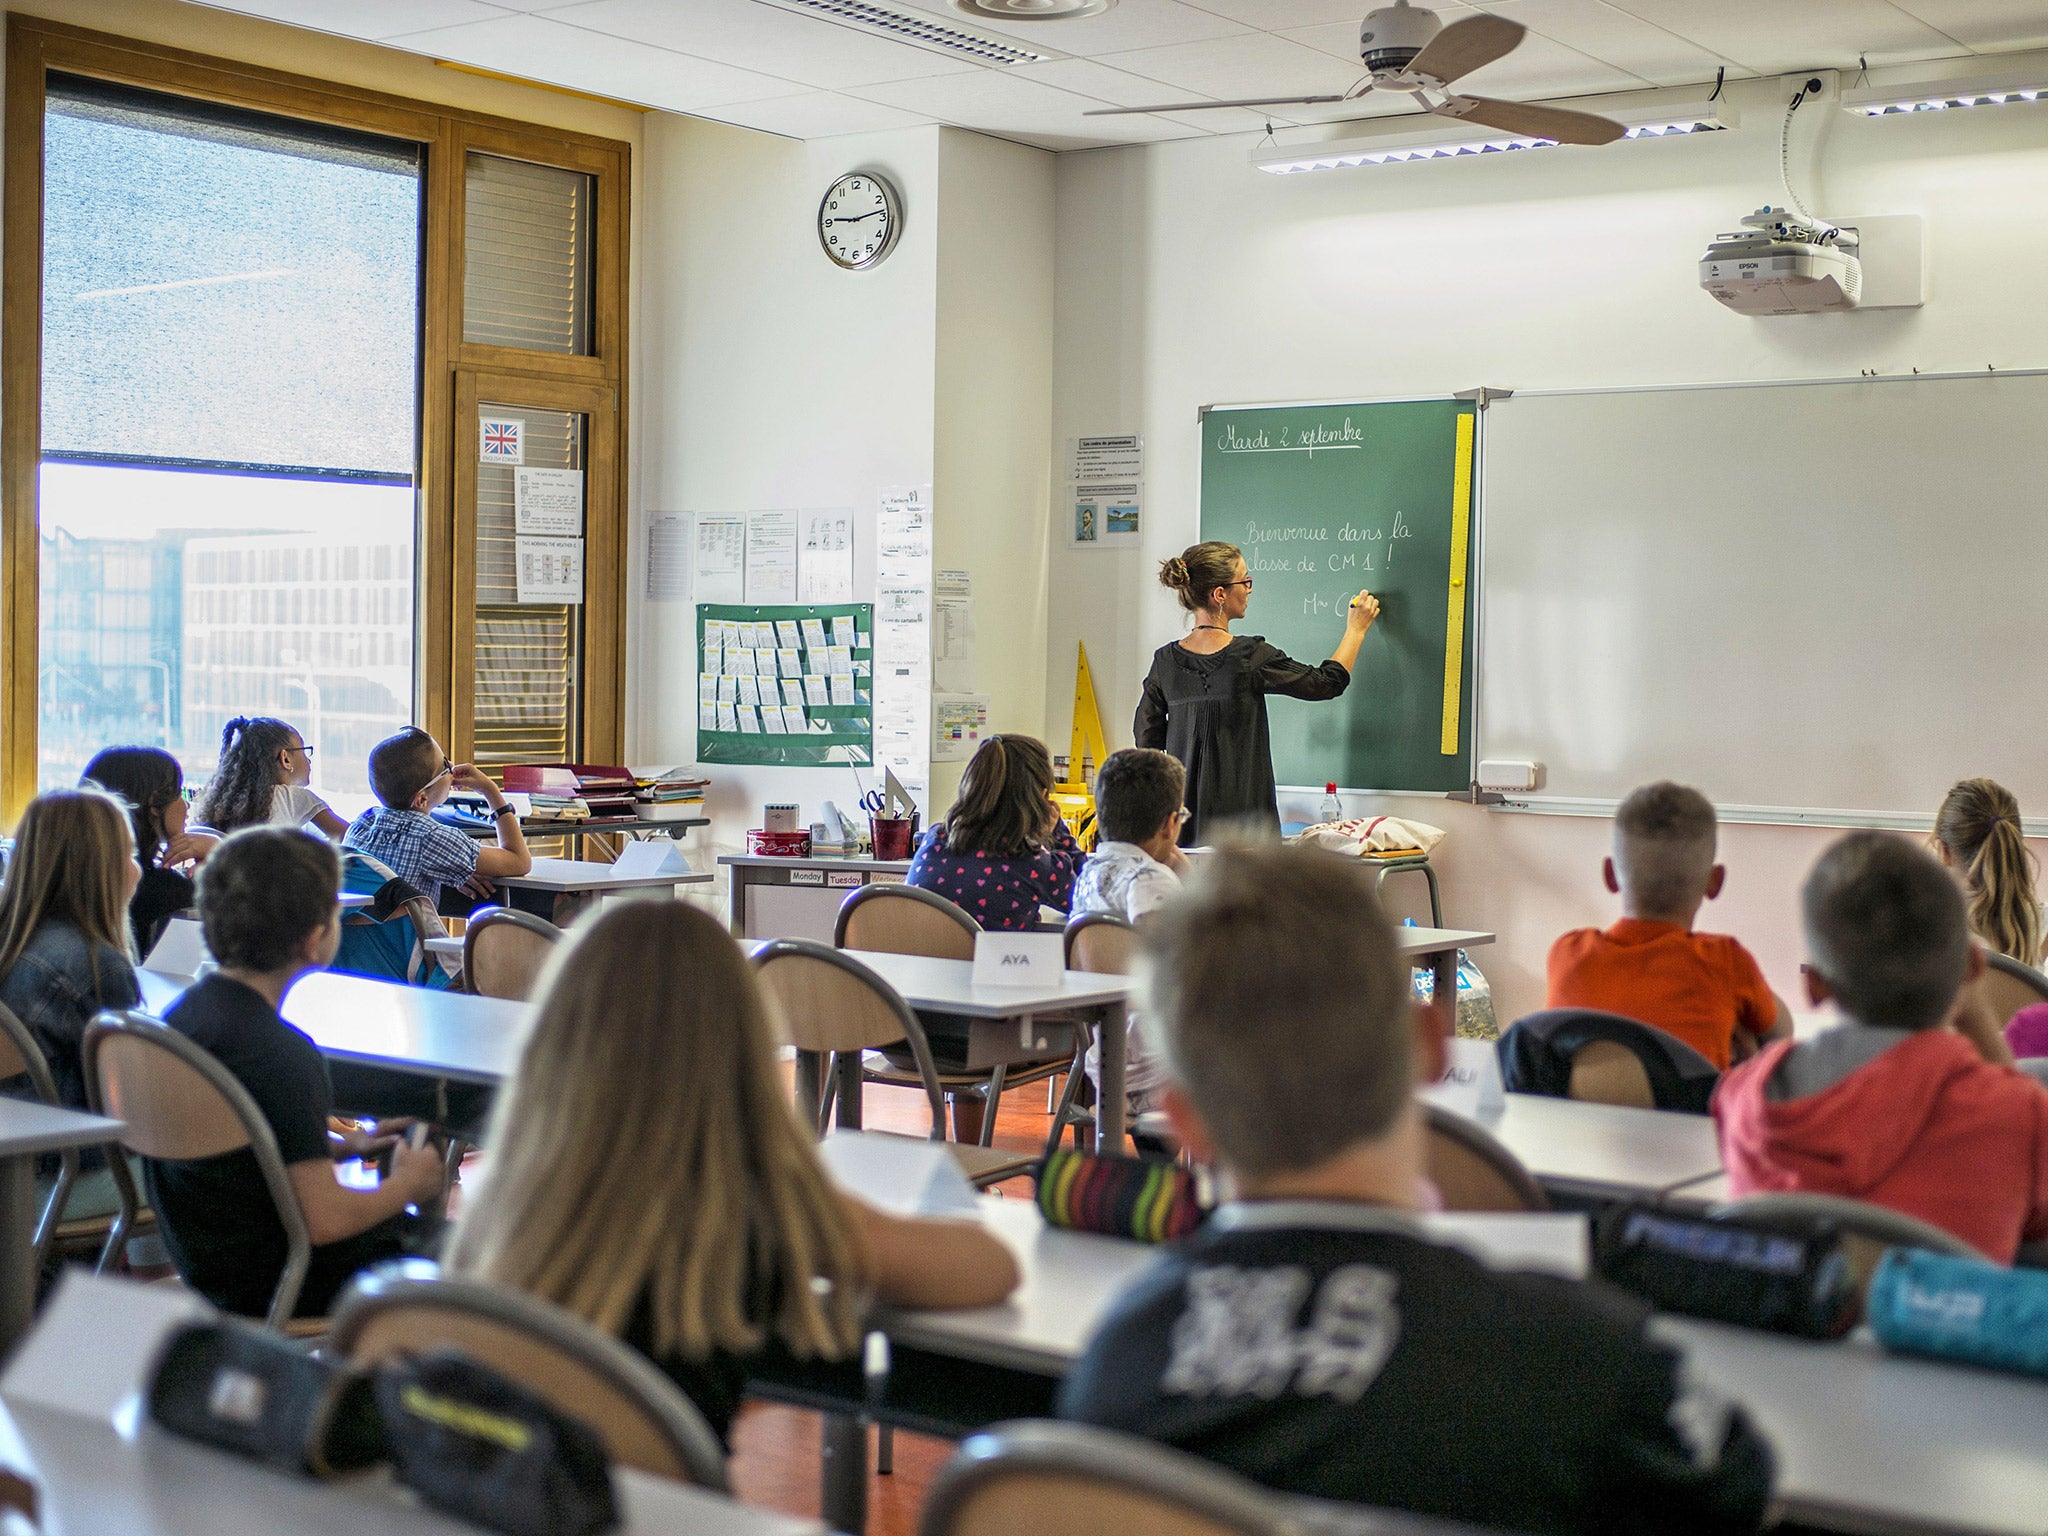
(1961, 1309)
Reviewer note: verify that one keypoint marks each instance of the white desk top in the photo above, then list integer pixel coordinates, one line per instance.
(1605, 1148)
(947, 986)
(27, 1127)
(1434, 941)
(96, 1479)
(1880, 1442)
(584, 875)
(385, 1024)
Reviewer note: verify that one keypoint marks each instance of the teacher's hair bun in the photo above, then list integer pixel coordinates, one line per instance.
(1173, 572)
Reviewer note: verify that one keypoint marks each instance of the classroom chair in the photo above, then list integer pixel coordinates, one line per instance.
(1867, 1230)
(1472, 1171)
(180, 1104)
(2007, 986)
(1022, 1478)
(387, 939)
(78, 1208)
(833, 1010)
(1104, 944)
(908, 920)
(1604, 1058)
(407, 1308)
(503, 951)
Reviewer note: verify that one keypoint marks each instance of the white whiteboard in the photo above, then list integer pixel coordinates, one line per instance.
(1822, 596)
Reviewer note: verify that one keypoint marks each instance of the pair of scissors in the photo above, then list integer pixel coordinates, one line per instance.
(871, 802)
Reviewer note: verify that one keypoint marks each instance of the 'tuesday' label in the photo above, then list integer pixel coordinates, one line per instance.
(1019, 959)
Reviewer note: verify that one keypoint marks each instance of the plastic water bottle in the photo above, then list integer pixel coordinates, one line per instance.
(1333, 808)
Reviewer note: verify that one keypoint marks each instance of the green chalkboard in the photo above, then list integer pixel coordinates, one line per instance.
(1324, 500)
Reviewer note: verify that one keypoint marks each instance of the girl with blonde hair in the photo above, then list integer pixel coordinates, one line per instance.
(64, 937)
(649, 1173)
(1977, 833)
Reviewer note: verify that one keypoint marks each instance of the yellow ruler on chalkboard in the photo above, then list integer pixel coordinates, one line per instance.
(1454, 617)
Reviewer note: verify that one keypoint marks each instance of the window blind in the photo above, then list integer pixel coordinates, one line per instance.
(526, 243)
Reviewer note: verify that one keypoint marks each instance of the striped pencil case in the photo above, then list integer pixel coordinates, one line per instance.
(1136, 1197)
(1961, 1309)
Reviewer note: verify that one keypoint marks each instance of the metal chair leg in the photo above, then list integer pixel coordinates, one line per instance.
(995, 1097)
(885, 1449)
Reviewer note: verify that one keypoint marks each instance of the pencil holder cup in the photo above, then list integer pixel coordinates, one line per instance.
(892, 835)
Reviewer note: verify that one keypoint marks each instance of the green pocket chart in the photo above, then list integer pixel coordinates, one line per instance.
(812, 665)
(1324, 500)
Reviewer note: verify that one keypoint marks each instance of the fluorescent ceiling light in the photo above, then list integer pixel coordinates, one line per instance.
(1940, 95)
(1432, 137)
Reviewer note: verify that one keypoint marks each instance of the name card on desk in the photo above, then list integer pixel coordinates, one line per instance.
(659, 857)
(180, 949)
(96, 1342)
(1019, 959)
(1471, 1084)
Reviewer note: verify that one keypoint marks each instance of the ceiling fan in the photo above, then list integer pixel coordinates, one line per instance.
(1407, 49)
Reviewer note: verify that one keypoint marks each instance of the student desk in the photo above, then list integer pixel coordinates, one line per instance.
(385, 1024)
(566, 875)
(1605, 1151)
(27, 1128)
(144, 1482)
(1436, 951)
(780, 898)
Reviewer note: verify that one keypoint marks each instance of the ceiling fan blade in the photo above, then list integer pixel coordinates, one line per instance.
(1567, 127)
(1207, 106)
(1466, 45)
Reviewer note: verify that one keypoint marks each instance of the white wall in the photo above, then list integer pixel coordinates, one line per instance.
(768, 378)
(1187, 278)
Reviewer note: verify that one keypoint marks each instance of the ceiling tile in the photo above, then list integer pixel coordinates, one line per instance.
(1541, 68)
(1276, 15)
(998, 102)
(1599, 31)
(1256, 64)
(538, 49)
(1991, 26)
(762, 38)
(1133, 24)
(815, 115)
(366, 18)
(1774, 38)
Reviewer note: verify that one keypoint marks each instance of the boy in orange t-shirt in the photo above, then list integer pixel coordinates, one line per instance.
(1650, 966)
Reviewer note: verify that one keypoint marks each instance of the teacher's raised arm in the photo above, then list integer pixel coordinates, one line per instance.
(1204, 700)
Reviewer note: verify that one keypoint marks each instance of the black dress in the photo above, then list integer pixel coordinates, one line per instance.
(1210, 712)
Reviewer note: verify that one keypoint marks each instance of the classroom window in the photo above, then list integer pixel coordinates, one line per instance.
(229, 398)
(526, 278)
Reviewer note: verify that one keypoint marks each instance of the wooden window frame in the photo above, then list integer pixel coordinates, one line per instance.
(444, 609)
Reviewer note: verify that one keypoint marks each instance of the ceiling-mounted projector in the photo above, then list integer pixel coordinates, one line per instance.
(1781, 264)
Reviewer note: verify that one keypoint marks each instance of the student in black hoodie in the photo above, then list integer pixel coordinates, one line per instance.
(1309, 1336)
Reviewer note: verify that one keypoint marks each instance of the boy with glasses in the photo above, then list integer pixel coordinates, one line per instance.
(412, 775)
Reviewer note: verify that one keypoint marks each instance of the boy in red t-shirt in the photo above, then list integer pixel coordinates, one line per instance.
(1650, 966)
(1893, 1106)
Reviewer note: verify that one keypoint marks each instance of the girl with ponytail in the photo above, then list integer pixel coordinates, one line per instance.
(1977, 833)
(265, 766)
(1002, 852)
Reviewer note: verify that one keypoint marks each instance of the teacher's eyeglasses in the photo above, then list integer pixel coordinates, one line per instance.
(1245, 583)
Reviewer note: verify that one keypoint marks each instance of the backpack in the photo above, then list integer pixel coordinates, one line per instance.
(384, 939)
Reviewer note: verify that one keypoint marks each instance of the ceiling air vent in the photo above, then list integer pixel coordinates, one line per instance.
(910, 27)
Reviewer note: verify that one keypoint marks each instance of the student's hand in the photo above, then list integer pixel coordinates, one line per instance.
(1177, 861)
(480, 886)
(367, 1141)
(469, 776)
(187, 848)
(416, 1171)
(1359, 616)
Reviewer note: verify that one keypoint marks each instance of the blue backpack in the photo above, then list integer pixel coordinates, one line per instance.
(383, 939)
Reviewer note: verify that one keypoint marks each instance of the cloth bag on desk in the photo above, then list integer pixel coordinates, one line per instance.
(1369, 836)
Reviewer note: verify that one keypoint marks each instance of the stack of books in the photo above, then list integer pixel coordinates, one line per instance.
(669, 794)
(572, 791)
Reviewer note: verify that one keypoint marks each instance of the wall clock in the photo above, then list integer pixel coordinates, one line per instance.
(859, 219)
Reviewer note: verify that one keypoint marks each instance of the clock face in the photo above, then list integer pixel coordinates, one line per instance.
(859, 220)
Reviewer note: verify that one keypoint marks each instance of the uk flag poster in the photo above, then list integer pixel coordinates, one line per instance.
(500, 442)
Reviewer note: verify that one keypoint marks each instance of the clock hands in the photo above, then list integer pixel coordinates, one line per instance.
(871, 213)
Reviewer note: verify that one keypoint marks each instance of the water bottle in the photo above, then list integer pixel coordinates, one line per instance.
(1333, 808)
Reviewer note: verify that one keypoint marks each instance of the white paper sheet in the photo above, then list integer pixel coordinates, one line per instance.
(817, 690)
(771, 557)
(1119, 456)
(793, 720)
(959, 724)
(548, 502)
(721, 559)
(787, 634)
(550, 570)
(825, 556)
(953, 644)
(842, 688)
(668, 557)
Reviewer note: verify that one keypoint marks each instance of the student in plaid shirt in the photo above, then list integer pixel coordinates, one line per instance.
(412, 775)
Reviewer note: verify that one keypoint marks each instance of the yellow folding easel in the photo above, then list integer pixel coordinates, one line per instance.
(1075, 794)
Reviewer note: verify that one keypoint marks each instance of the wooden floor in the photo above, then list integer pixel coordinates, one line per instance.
(775, 1449)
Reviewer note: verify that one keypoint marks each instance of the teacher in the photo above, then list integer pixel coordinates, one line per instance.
(1204, 700)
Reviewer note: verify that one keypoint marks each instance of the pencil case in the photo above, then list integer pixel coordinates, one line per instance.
(1960, 1309)
(1797, 1283)
(1135, 1197)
